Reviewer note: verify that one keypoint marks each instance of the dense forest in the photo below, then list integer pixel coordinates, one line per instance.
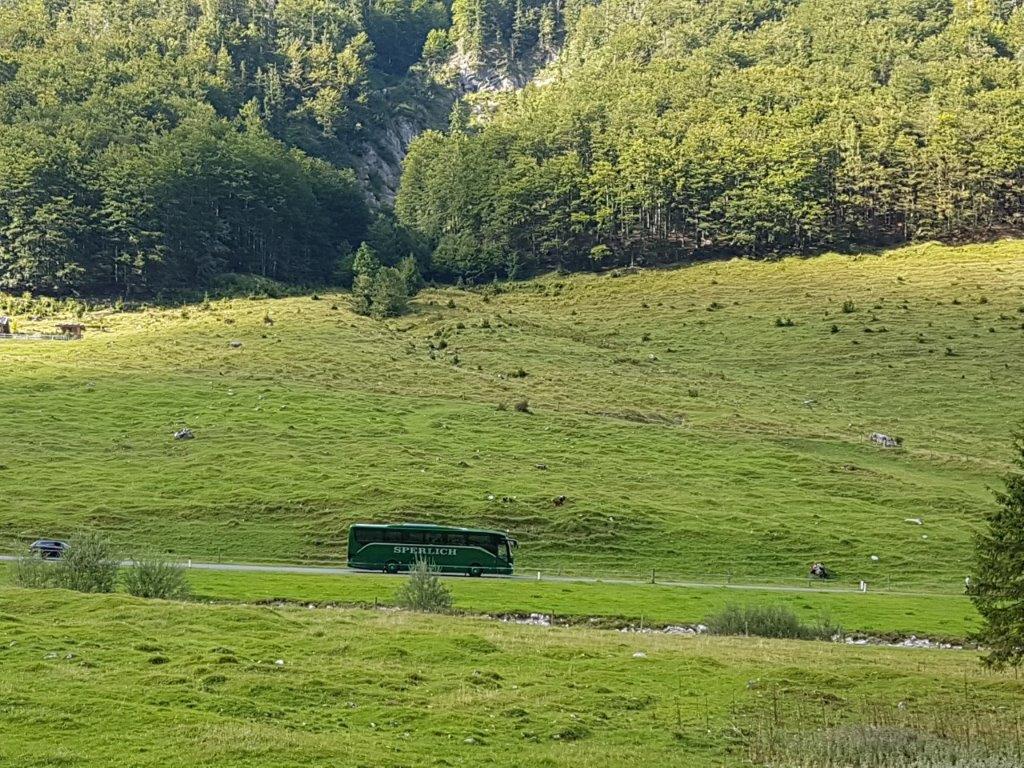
(678, 128)
(151, 146)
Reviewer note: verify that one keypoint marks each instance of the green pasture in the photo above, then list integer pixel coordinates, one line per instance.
(690, 428)
(103, 680)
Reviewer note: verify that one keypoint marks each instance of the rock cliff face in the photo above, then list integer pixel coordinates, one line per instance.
(378, 160)
(378, 164)
(480, 75)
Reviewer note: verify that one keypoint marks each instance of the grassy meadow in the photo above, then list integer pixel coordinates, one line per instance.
(90, 680)
(704, 421)
(936, 616)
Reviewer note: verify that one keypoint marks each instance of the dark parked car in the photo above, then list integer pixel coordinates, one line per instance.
(48, 549)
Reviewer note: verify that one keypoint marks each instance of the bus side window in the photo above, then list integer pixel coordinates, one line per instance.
(392, 536)
(412, 537)
(433, 537)
(483, 541)
(363, 536)
(456, 539)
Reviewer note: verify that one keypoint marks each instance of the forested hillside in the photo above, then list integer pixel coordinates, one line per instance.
(152, 144)
(670, 128)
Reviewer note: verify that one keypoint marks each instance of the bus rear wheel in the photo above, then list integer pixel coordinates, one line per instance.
(475, 570)
(391, 566)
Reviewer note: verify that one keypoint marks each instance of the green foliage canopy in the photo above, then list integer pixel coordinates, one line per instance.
(150, 145)
(748, 127)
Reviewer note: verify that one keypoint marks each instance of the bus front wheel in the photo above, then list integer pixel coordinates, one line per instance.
(391, 566)
(475, 570)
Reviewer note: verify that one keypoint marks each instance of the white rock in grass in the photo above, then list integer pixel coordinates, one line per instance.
(914, 520)
(874, 558)
(639, 655)
(279, 662)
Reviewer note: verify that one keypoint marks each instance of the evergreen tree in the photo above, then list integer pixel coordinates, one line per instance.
(389, 296)
(997, 589)
(366, 261)
(410, 272)
(365, 267)
(362, 293)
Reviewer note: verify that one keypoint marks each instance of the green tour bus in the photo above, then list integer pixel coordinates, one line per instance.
(394, 548)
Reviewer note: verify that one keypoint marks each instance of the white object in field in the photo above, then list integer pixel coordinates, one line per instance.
(884, 440)
(863, 586)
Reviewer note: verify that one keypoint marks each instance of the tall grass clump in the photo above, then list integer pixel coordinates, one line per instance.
(34, 573)
(90, 564)
(423, 590)
(774, 621)
(862, 745)
(156, 578)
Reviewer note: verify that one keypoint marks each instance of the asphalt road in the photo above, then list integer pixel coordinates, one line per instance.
(310, 570)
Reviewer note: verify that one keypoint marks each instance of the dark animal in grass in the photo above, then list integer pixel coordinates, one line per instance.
(819, 571)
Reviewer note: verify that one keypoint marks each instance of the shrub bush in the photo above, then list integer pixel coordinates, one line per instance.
(34, 573)
(423, 591)
(774, 621)
(90, 564)
(156, 578)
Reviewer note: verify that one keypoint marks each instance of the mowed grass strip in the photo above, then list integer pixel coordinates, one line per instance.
(935, 616)
(111, 680)
(886, 615)
(689, 432)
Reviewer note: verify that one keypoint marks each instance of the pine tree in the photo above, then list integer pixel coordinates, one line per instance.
(366, 261)
(390, 294)
(362, 291)
(365, 267)
(997, 589)
(411, 274)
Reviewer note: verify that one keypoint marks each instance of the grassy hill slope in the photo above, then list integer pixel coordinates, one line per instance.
(691, 428)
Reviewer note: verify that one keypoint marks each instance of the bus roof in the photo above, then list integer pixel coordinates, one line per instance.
(429, 527)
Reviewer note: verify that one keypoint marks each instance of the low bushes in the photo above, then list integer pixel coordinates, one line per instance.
(33, 573)
(773, 621)
(423, 590)
(156, 578)
(91, 564)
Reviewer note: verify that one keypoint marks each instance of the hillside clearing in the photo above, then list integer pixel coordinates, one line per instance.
(687, 430)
